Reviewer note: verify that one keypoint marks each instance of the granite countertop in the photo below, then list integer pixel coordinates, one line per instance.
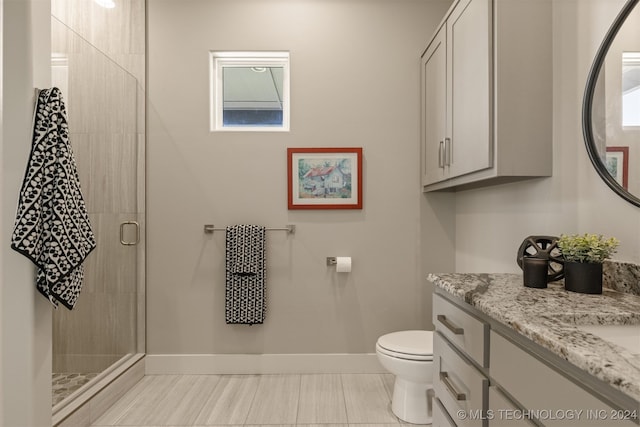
(549, 317)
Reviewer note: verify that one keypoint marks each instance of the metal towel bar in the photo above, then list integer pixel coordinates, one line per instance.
(289, 228)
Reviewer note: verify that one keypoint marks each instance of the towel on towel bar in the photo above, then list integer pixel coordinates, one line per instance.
(245, 274)
(52, 225)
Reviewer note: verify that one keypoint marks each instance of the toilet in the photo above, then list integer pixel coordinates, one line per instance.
(409, 356)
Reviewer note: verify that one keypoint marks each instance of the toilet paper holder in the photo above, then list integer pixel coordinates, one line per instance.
(342, 264)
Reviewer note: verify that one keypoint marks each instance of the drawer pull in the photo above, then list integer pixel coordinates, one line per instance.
(456, 330)
(444, 377)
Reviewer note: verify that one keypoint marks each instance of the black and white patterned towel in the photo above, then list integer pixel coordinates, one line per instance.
(52, 226)
(245, 297)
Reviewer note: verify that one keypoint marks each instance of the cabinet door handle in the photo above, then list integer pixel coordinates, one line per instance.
(450, 326)
(448, 154)
(137, 239)
(444, 377)
(441, 155)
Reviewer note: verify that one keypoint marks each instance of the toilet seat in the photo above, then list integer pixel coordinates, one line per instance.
(409, 345)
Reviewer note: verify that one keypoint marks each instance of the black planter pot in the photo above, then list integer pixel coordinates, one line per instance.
(583, 277)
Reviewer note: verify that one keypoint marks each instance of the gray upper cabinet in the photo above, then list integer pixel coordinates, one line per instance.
(487, 95)
(434, 109)
(469, 88)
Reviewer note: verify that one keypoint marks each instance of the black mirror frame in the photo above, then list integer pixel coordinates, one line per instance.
(588, 101)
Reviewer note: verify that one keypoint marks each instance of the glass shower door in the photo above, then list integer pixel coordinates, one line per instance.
(105, 109)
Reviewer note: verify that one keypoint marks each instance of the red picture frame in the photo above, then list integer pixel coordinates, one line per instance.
(617, 163)
(324, 178)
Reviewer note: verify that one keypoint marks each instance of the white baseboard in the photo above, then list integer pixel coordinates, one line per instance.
(157, 364)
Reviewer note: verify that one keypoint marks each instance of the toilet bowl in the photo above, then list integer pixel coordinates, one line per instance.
(409, 356)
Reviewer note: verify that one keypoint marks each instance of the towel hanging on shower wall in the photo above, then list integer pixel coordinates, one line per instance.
(245, 298)
(52, 225)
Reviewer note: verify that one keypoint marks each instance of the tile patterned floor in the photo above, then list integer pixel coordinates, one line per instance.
(63, 384)
(324, 400)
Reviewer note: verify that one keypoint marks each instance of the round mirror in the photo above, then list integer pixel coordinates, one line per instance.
(611, 107)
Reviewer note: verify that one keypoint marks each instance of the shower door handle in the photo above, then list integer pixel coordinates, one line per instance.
(123, 225)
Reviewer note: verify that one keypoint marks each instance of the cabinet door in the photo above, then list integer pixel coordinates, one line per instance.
(469, 54)
(555, 400)
(434, 103)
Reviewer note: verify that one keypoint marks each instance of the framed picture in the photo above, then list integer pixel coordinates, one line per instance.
(324, 178)
(617, 162)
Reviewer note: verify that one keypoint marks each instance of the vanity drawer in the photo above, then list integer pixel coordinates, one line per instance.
(440, 416)
(462, 329)
(458, 384)
(503, 413)
(542, 389)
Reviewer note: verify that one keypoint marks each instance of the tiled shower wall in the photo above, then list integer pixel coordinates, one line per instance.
(100, 66)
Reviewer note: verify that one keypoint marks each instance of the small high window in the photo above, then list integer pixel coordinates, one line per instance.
(250, 91)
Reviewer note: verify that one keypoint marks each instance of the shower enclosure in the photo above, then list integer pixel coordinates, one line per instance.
(105, 106)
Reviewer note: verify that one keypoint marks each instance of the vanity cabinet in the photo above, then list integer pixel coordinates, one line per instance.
(464, 331)
(459, 352)
(487, 95)
(441, 417)
(558, 401)
(505, 413)
(484, 376)
(458, 385)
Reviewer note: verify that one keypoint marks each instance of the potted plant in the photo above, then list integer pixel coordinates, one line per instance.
(583, 255)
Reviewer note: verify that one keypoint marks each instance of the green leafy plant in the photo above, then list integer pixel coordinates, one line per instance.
(587, 247)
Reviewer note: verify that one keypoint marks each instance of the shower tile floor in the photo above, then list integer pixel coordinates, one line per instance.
(326, 400)
(63, 384)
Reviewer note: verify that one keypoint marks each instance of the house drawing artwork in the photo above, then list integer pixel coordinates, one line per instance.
(330, 179)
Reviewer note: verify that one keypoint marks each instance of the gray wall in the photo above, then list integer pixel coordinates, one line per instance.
(354, 82)
(25, 316)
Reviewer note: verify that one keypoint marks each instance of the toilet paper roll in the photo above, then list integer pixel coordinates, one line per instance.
(343, 264)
